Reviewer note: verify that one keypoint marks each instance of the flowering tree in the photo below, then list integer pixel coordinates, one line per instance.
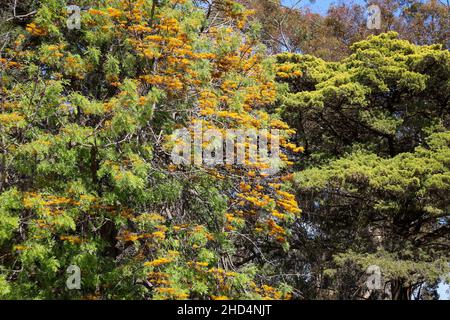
(86, 177)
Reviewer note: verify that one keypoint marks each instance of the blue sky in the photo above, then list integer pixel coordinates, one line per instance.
(444, 292)
(320, 6)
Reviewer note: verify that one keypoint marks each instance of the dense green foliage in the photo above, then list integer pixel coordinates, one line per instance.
(375, 183)
(87, 178)
(87, 124)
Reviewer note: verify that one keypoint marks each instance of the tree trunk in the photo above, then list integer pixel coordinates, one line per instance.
(399, 291)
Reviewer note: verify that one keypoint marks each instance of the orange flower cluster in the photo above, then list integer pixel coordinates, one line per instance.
(32, 200)
(158, 278)
(171, 294)
(10, 118)
(71, 239)
(288, 202)
(288, 70)
(35, 30)
(4, 63)
(158, 262)
(271, 293)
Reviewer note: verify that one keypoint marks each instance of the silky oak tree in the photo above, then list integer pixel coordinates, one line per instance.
(86, 175)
